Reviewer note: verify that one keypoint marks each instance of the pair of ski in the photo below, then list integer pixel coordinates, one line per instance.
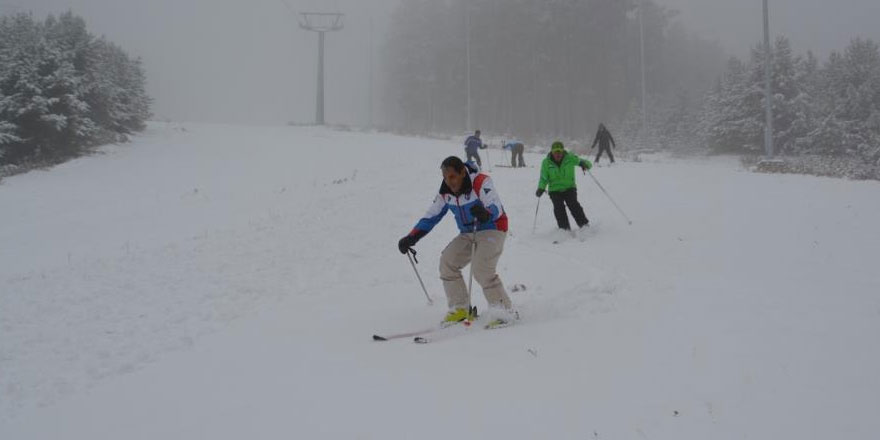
(435, 333)
(427, 335)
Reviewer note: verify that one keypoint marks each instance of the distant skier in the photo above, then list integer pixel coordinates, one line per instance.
(557, 172)
(605, 141)
(481, 220)
(471, 146)
(516, 149)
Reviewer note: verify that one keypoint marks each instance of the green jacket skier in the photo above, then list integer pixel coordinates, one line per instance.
(557, 173)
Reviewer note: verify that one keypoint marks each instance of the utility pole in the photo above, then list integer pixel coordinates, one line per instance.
(370, 86)
(768, 92)
(320, 22)
(644, 83)
(469, 124)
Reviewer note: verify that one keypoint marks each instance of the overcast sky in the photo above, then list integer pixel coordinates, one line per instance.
(247, 61)
(818, 25)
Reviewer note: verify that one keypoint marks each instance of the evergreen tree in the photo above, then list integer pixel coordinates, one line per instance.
(116, 98)
(849, 108)
(61, 90)
(27, 61)
(730, 123)
(805, 106)
(679, 124)
(64, 86)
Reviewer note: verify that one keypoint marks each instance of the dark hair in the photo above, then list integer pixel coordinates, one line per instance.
(477, 132)
(452, 162)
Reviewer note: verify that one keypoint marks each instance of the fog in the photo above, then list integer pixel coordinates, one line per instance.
(817, 25)
(234, 60)
(249, 62)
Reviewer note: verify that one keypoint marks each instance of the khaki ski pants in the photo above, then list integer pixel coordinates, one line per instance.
(457, 255)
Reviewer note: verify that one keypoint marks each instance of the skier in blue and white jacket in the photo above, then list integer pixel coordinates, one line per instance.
(482, 223)
(516, 149)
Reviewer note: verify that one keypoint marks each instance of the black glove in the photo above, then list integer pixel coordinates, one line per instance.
(406, 242)
(539, 192)
(480, 213)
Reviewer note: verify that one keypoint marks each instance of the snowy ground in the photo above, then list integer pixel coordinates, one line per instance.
(223, 282)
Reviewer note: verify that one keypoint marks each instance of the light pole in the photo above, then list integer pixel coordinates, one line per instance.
(644, 84)
(370, 86)
(768, 92)
(469, 124)
(329, 22)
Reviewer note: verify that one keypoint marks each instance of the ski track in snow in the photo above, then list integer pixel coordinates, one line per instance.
(176, 260)
(67, 327)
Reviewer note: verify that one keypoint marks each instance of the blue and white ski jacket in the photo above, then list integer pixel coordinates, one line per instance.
(510, 144)
(477, 189)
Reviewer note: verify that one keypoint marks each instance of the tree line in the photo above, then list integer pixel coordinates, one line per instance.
(538, 68)
(830, 108)
(63, 90)
(554, 69)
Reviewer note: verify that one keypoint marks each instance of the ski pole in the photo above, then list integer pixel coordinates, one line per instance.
(412, 261)
(473, 251)
(609, 197)
(489, 159)
(535, 224)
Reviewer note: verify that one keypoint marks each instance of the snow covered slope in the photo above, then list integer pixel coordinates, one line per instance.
(223, 282)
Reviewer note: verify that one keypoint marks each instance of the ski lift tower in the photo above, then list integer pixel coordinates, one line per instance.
(320, 22)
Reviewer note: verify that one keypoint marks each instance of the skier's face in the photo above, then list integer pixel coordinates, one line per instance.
(557, 155)
(453, 178)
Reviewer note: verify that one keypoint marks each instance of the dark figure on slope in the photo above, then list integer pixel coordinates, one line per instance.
(471, 146)
(557, 172)
(605, 141)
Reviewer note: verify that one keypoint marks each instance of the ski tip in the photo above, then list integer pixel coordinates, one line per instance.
(420, 340)
(379, 338)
